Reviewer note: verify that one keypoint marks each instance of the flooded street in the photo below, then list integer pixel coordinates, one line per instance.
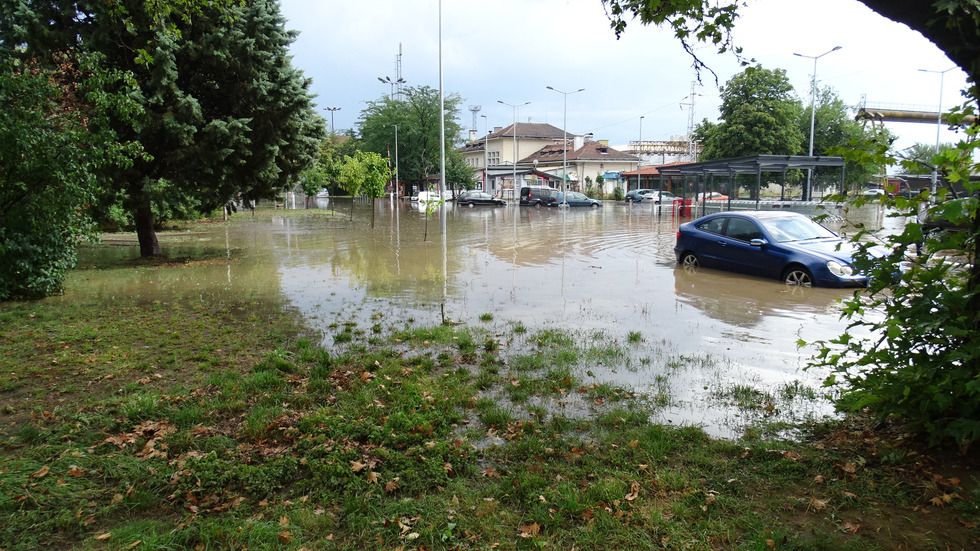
(600, 274)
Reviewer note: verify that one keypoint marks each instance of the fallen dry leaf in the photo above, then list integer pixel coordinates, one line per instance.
(849, 527)
(530, 530)
(103, 537)
(818, 504)
(40, 473)
(392, 485)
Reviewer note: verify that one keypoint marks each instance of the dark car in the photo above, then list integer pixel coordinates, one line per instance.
(536, 196)
(476, 198)
(782, 245)
(574, 199)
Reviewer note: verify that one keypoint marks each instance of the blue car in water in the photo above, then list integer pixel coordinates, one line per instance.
(782, 245)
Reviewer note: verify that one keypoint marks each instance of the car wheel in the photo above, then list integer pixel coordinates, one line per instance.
(690, 260)
(471, 205)
(798, 275)
(537, 204)
(594, 205)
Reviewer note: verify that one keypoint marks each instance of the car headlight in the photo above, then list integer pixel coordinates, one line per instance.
(840, 270)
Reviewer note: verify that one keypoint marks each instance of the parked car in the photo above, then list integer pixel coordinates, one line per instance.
(650, 196)
(711, 196)
(874, 192)
(637, 195)
(782, 245)
(574, 199)
(659, 197)
(323, 194)
(474, 198)
(536, 196)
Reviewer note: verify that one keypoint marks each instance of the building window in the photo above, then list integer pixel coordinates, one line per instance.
(493, 158)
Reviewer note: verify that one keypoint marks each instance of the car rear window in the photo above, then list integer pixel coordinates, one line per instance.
(715, 225)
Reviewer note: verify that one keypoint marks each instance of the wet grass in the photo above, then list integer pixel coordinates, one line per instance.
(218, 423)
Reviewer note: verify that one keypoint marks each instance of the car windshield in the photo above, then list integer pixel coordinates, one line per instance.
(795, 229)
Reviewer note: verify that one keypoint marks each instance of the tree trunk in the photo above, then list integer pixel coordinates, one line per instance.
(149, 246)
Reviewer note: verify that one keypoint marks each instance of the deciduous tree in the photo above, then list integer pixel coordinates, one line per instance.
(417, 118)
(224, 112)
(759, 114)
(55, 141)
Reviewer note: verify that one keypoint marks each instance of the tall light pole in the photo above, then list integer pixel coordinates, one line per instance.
(332, 110)
(813, 114)
(939, 124)
(564, 143)
(486, 153)
(515, 138)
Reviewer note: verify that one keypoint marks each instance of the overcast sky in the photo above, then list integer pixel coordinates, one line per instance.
(511, 50)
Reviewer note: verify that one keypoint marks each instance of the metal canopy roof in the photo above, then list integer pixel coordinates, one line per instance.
(753, 164)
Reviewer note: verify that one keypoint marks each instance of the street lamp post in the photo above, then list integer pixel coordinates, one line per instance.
(332, 110)
(639, 158)
(486, 153)
(564, 144)
(813, 114)
(387, 80)
(514, 106)
(939, 124)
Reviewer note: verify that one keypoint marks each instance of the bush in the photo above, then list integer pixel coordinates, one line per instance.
(920, 360)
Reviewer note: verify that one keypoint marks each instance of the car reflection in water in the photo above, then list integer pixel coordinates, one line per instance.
(744, 302)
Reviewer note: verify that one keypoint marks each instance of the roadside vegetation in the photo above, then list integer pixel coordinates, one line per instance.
(218, 422)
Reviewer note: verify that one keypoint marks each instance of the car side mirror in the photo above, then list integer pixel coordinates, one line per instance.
(758, 242)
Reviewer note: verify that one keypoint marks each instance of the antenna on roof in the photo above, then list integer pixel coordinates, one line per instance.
(475, 109)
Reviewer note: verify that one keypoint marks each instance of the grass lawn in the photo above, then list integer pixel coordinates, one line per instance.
(218, 422)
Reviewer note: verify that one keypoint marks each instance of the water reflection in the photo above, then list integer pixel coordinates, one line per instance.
(607, 271)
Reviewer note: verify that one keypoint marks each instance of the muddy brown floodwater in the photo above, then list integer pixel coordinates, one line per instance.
(717, 349)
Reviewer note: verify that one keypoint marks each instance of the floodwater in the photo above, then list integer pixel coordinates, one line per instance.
(598, 273)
